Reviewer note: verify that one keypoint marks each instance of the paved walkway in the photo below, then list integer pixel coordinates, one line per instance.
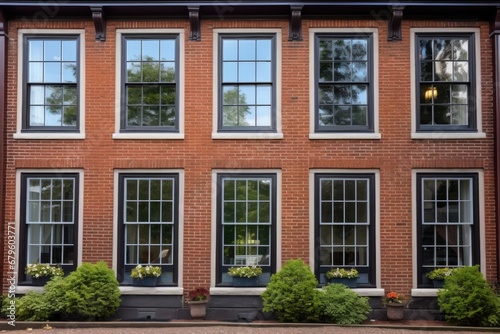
(207, 327)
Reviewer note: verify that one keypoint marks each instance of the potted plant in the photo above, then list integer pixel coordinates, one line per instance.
(438, 275)
(197, 300)
(41, 273)
(343, 276)
(145, 275)
(245, 276)
(395, 306)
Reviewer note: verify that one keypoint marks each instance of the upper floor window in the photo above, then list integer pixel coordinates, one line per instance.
(51, 81)
(148, 224)
(447, 222)
(344, 83)
(246, 224)
(150, 77)
(345, 225)
(445, 82)
(49, 220)
(247, 82)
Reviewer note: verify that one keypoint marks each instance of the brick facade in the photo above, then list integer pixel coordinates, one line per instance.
(395, 155)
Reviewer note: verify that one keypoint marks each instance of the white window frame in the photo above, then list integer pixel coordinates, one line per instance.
(215, 87)
(159, 290)
(367, 292)
(118, 86)
(20, 86)
(420, 292)
(477, 80)
(24, 289)
(312, 85)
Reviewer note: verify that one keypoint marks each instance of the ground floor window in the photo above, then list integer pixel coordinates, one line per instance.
(345, 225)
(148, 224)
(447, 222)
(246, 224)
(49, 221)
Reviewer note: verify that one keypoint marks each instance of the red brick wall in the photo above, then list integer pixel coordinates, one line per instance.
(395, 154)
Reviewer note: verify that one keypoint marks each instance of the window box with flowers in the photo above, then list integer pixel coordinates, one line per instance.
(343, 276)
(437, 276)
(395, 306)
(245, 276)
(197, 301)
(145, 275)
(41, 273)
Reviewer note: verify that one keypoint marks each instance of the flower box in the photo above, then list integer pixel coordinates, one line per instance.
(245, 281)
(146, 281)
(437, 283)
(40, 281)
(349, 282)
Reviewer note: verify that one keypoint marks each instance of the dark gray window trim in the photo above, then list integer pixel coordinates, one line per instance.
(370, 82)
(475, 229)
(26, 128)
(123, 95)
(121, 226)
(370, 270)
(23, 228)
(220, 269)
(246, 129)
(472, 108)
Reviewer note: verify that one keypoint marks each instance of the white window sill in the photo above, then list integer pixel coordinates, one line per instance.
(424, 292)
(158, 290)
(236, 291)
(175, 136)
(49, 135)
(443, 135)
(370, 292)
(253, 135)
(366, 136)
(24, 289)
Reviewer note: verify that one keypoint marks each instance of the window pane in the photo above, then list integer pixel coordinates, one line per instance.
(444, 61)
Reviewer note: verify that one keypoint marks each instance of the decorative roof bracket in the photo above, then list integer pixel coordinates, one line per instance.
(99, 23)
(194, 21)
(394, 28)
(295, 31)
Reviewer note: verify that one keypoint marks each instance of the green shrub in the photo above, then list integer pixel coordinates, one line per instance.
(341, 305)
(292, 294)
(32, 307)
(467, 300)
(55, 294)
(92, 292)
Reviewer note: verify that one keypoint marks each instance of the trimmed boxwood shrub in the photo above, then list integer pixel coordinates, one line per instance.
(341, 305)
(92, 292)
(292, 294)
(467, 300)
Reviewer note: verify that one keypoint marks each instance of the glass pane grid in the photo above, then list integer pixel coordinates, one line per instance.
(344, 221)
(247, 82)
(52, 82)
(447, 201)
(150, 83)
(246, 221)
(343, 80)
(50, 201)
(444, 81)
(447, 222)
(149, 222)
